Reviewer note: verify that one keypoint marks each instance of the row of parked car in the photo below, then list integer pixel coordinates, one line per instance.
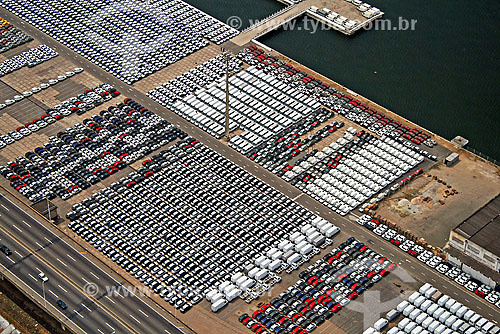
(324, 289)
(429, 311)
(80, 104)
(29, 58)
(276, 153)
(89, 152)
(196, 21)
(11, 37)
(259, 104)
(430, 259)
(352, 170)
(37, 89)
(193, 217)
(194, 79)
(129, 39)
(340, 102)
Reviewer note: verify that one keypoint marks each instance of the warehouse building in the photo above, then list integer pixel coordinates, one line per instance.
(475, 243)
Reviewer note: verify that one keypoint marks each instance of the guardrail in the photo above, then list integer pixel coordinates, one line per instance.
(66, 324)
(482, 155)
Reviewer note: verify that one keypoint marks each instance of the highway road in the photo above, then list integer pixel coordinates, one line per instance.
(348, 226)
(36, 248)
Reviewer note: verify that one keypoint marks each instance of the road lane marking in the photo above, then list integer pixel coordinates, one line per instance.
(47, 239)
(110, 326)
(86, 307)
(36, 242)
(33, 277)
(64, 264)
(134, 318)
(295, 198)
(17, 228)
(6, 208)
(147, 316)
(53, 293)
(91, 273)
(11, 260)
(78, 313)
(18, 253)
(60, 287)
(26, 223)
(111, 300)
(71, 257)
(100, 331)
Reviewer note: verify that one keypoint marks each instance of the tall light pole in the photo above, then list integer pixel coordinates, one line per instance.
(226, 56)
(43, 292)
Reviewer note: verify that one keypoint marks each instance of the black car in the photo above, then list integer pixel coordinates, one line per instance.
(62, 304)
(5, 250)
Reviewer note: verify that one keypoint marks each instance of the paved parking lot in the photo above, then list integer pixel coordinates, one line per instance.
(225, 321)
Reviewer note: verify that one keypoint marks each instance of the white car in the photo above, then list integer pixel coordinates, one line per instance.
(52, 82)
(43, 277)
(434, 261)
(9, 102)
(7, 139)
(35, 89)
(27, 93)
(32, 127)
(24, 131)
(61, 77)
(471, 286)
(492, 297)
(69, 74)
(2, 105)
(44, 85)
(78, 70)
(18, 97)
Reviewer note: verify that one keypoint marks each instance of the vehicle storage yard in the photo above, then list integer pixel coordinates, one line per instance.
(152, 197)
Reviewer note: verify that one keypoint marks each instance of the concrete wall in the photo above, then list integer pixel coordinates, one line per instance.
(474, 251)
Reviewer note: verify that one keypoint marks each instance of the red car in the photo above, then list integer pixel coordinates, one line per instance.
(371, 274)
(336, 308)
(363, 249)
(391, 267)
(479, 293)
(352, 296)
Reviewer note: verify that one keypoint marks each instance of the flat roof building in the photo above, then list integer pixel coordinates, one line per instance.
(479, 236)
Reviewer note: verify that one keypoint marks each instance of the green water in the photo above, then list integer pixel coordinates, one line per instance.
(444, 75)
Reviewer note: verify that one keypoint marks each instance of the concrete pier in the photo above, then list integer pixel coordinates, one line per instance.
(344, 9)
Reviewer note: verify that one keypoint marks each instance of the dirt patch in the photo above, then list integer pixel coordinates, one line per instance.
(436, 202)
(21, 312)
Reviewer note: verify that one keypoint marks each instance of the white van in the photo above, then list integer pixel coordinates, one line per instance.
(380, 323)
(441, 301)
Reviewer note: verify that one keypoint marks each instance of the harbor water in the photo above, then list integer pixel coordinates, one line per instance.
(444, 75)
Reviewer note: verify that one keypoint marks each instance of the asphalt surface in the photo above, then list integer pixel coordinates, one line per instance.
(98, 310)
(348, 227)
